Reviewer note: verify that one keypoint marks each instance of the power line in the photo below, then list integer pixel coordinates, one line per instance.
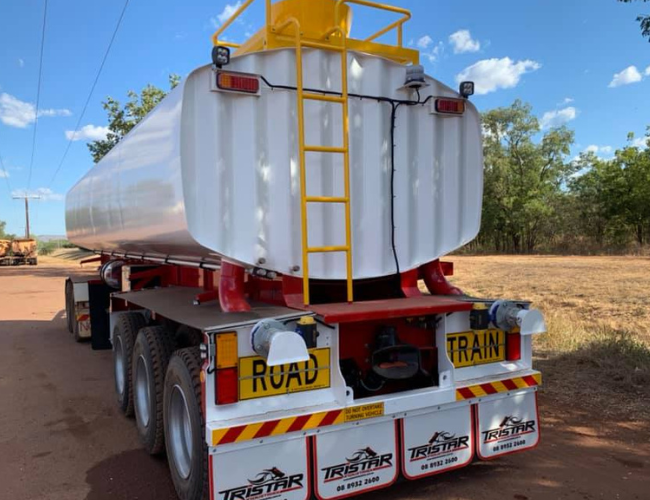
(92, 89)
(38, 97)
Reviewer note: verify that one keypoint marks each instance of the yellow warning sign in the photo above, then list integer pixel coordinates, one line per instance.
(363, 412)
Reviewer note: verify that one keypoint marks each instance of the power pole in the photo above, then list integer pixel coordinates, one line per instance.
(27, 197)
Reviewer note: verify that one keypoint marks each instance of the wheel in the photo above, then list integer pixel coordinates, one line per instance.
(69, 304)
(153, 348)
(124, 334)
(187, 451)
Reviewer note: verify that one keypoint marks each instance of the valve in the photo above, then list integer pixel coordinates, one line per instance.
(507, 315)
(279, 346)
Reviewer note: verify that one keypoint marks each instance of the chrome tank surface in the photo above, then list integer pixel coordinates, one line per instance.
(210, 174)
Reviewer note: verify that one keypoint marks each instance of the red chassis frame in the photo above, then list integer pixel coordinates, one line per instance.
(233, 289)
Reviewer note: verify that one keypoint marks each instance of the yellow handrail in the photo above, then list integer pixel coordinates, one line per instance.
(397, 24)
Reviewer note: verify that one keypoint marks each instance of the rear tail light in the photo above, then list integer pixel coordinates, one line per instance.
(513, 346)
(227, 390)
(450, 106)
(227, 350)
(226, 376)
(238, 82)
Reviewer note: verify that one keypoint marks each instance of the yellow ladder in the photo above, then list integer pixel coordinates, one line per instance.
(303, 148)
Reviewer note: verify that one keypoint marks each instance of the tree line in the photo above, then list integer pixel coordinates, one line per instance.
(537, 198)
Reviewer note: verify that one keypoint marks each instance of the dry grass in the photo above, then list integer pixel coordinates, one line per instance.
(597, 350)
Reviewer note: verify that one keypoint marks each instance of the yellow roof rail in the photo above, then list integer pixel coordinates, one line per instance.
(320, 21)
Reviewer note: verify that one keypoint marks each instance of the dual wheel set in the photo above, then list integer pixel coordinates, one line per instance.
(157, 379)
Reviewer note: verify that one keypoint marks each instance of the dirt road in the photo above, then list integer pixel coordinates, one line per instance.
(61, 437)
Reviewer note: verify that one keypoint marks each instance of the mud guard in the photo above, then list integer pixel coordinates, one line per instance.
(277, 470)
(437, 442)
(507, 425)
(99, 296)
(355, 460)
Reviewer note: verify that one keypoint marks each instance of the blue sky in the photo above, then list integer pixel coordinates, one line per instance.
(580, 62)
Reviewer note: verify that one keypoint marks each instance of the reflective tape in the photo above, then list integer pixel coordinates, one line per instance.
(489, 388)
(277, 427)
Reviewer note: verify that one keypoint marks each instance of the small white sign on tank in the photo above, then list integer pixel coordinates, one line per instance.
(355, 460)
(507, 425)
(278, 471)
(437, 442)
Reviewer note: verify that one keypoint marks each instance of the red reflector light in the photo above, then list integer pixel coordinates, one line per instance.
(238, 82)
(450, 106)
(513, 346)
(227, 391)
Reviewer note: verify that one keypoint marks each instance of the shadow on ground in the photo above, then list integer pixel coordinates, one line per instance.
(130, 474)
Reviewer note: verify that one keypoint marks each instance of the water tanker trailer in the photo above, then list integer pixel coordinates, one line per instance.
(270, 238)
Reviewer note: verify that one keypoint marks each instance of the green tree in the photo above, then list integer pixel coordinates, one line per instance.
(121, 119)
(644, 20)
(4, 235)
(524, 176)
(613, 196)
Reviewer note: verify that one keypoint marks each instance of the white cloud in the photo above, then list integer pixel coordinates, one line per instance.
(21, 63)
(558, 117)
(20, 114)
(87, 133)
(567, 100)
(427, 48)
(599, 150)
(45, 194)
(490, 75)
(433, 54)
(462, 42)
(647, 71)
(640, 142)
(3, 173)
(226, 13)
(424, 42)
(629, 75)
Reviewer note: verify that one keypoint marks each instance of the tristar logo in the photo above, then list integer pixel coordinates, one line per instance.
(362, 461)
(509, 427)
(440, 443)
(269, 483)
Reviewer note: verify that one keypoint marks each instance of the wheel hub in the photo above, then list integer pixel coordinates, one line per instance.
(180, 430)
(119, 366)
(142, 392)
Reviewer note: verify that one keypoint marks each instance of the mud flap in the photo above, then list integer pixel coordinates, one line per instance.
(355, 460)
(437, 442)
(507, 425)
(270, 471)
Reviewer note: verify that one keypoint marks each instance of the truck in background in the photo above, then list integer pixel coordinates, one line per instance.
(261, 236)
(24, 251)
(20, 251)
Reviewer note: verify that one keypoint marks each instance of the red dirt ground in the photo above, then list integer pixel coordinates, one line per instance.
(62, 438)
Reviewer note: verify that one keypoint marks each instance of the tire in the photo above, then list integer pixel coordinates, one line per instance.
(69, 305)
(153, 347)
(187, 451)
(124, 334)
